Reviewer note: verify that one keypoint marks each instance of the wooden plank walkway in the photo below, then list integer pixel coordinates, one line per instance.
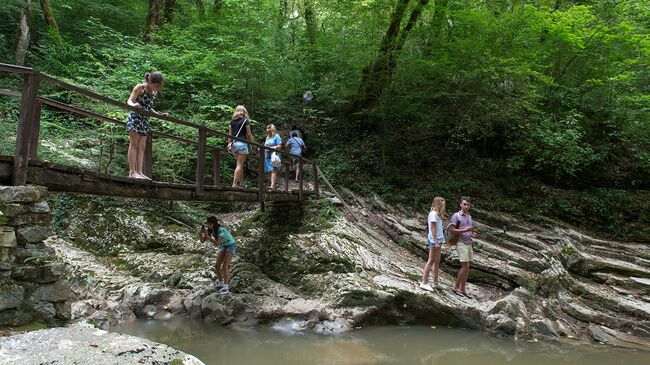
(61, 178)
(24, 167)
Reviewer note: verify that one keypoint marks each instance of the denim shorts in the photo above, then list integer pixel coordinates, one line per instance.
(432, 244)
(239, 147)
(229, 248)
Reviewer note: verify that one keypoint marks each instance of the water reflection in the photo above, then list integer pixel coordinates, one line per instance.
(216, 345)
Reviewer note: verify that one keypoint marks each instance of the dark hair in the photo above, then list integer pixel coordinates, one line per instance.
(153, 78)
(215, 224)
(294, 134)
(465, 198)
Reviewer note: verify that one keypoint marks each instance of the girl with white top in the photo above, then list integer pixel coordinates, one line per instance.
(436, 239)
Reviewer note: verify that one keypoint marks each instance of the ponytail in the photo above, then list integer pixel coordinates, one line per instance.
(153, 78)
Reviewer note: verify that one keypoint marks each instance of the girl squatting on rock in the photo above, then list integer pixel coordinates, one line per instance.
(220, 237)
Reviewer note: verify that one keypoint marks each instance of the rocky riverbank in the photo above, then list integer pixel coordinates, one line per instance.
(83, 344)
(312, 268)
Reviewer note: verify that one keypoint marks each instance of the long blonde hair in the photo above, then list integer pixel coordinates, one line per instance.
(240, 112)
(273, 130)
(439, 206)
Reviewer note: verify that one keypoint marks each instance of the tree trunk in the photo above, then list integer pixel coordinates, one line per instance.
(24, 32)
(281, 22)
(310, 21)
(51, 21)
(153, 20)
(218, 5)
(377, 75)
(440, 17)
(168, 11)
(200, 6)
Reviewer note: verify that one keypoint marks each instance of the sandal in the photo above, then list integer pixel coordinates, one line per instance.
(468, 296)
(460, 294)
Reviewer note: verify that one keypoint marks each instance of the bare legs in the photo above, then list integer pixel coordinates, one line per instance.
(221, 267)
(137, 144)
(432, 263)
(274, 176)
(238, 176)
(297, 171)
(462, 277)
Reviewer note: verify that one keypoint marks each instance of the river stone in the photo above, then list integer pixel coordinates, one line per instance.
(545, 328)
(12, 318)
(11, 296)
(33, 234)
(82, 344)
(213, 310)
(414, 224)
(63, 310)
(193, 306)
(40, 208)
(12, 209)
(23, 194)
(47, 273)
(31, 219)
(7, 236)
(46, 309)
(57, 292)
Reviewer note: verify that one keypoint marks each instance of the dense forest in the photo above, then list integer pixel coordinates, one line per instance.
(540, 107)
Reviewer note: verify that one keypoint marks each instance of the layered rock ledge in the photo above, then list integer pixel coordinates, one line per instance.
(83, 344)
(311, 268)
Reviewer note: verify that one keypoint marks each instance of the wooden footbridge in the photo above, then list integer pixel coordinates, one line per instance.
(24, 167)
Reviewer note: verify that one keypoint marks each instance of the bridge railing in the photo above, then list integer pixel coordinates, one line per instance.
(29, 126)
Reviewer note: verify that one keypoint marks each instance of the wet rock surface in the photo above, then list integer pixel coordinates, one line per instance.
(84, 344)
(312, 268)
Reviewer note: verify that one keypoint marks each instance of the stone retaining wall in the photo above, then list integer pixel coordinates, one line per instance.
(31, 284)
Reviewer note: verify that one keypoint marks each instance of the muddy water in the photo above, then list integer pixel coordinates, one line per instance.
(282, 345)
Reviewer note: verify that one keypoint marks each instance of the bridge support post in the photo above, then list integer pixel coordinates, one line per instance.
(200, 161)
(147, 164)
(216, 167)
(28, 124)
(260, 176)
(36, 129)
(314, 171)
(300, 178)
(287, 170)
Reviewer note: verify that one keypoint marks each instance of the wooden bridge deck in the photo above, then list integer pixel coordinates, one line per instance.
(24, 167)
(60, 178)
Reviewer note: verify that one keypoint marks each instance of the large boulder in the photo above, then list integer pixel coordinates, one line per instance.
(22, 194)
(83, 344)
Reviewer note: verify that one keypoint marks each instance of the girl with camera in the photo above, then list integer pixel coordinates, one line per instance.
(220, 237)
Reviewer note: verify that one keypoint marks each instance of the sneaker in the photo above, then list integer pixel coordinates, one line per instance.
(435, 285)
(218, 287)
(426, 287)
(223, 290)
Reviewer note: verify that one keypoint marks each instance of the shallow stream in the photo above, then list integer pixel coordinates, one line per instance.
(283, 345)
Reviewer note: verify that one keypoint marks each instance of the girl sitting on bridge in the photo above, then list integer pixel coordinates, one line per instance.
(220, 237)
(142, 98)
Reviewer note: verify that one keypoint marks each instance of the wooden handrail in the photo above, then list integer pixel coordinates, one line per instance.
(34, 78)
(119, 104)
(15, 68)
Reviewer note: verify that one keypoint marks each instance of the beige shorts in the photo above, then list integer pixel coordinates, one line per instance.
(465, 252)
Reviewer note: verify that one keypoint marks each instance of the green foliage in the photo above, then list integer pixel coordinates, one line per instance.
(553, 146)
(544, 108)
